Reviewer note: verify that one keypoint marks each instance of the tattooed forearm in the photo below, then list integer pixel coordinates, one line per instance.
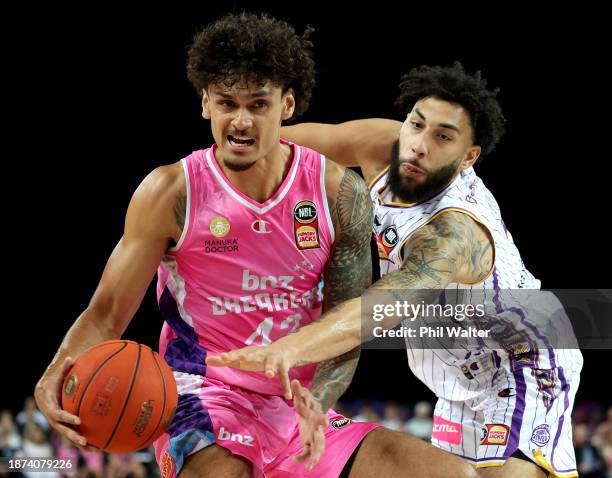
(180, 210)
(348, 273)
(333, 377)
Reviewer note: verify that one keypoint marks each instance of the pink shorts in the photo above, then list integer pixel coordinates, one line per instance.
(261, 428)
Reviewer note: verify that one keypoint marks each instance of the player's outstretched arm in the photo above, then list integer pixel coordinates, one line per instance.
(362, 143)
(149, 226)
(451, 248)
(347, 273)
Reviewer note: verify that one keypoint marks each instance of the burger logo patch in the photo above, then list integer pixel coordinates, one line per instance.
(495, 434)
(306, 225)
(386, 241)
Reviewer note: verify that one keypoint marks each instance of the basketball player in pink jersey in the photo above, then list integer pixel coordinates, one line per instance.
(504, 408)
(241, 235)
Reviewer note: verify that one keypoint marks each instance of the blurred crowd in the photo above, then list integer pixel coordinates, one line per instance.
(28, 435)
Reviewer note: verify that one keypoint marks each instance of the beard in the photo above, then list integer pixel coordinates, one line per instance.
(408, 190)
(237, 167)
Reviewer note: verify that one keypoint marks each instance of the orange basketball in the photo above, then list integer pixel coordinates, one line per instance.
(124, 393)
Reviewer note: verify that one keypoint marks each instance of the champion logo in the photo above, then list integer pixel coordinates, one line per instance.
(260, 226)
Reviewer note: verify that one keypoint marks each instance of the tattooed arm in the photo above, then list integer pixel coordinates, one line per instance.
(348, 272)
(154, 219)
(451, 248)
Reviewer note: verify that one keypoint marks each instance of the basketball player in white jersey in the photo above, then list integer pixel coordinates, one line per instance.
(241, 234)
(508, 412)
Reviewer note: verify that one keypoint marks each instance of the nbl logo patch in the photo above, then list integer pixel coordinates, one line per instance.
(306, 225)
(386, 241)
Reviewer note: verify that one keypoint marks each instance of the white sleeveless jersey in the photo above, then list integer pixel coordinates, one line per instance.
(395, 222)
(446, 371)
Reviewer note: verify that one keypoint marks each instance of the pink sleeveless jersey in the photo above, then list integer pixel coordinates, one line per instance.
(243, 272)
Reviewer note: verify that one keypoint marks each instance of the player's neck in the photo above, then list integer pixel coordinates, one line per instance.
(263, 179)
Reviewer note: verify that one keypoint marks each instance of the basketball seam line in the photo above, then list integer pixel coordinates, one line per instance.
(93, 375)
(127, 399)
(161, 417)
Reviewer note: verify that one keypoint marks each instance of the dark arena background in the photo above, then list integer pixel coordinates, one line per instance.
(101, 98)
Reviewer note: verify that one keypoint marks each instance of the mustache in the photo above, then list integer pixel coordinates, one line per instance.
(412, 161)
(239, 133)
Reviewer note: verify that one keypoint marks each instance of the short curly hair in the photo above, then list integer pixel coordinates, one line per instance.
(453, 84)
(256, 48)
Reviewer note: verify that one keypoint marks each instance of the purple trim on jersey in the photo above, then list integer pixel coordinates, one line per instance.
(183, 353)
(190, 414)
(521, 314)
(534, 329)
(517, 415)
(564, 387)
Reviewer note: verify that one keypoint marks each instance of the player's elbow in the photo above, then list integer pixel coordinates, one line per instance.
(104, 313)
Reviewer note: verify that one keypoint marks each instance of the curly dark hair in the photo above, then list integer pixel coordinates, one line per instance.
(257, 48)
(453, 84)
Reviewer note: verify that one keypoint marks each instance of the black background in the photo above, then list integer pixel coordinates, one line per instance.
(99, 97)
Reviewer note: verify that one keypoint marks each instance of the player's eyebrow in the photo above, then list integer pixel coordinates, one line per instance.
(256, 94)
(450, 126)
(442, 125)
(260, 93)
(420, 114)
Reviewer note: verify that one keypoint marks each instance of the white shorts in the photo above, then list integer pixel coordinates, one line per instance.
(522, 408)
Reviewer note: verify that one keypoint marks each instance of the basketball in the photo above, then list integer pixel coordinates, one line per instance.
(124, 394)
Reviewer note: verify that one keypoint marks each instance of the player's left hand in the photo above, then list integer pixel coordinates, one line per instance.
(264, 358)
(312, 425)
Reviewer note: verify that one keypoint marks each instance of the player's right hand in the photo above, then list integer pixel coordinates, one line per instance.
(47, 394)
(264, 358)
(312, 423)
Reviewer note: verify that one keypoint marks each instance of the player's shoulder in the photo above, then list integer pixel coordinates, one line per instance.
(164, 183)
(168, 175)
(340, 180)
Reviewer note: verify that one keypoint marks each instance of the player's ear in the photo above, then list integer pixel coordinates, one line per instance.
(472, 155)
(205, 105)
(288, 104)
